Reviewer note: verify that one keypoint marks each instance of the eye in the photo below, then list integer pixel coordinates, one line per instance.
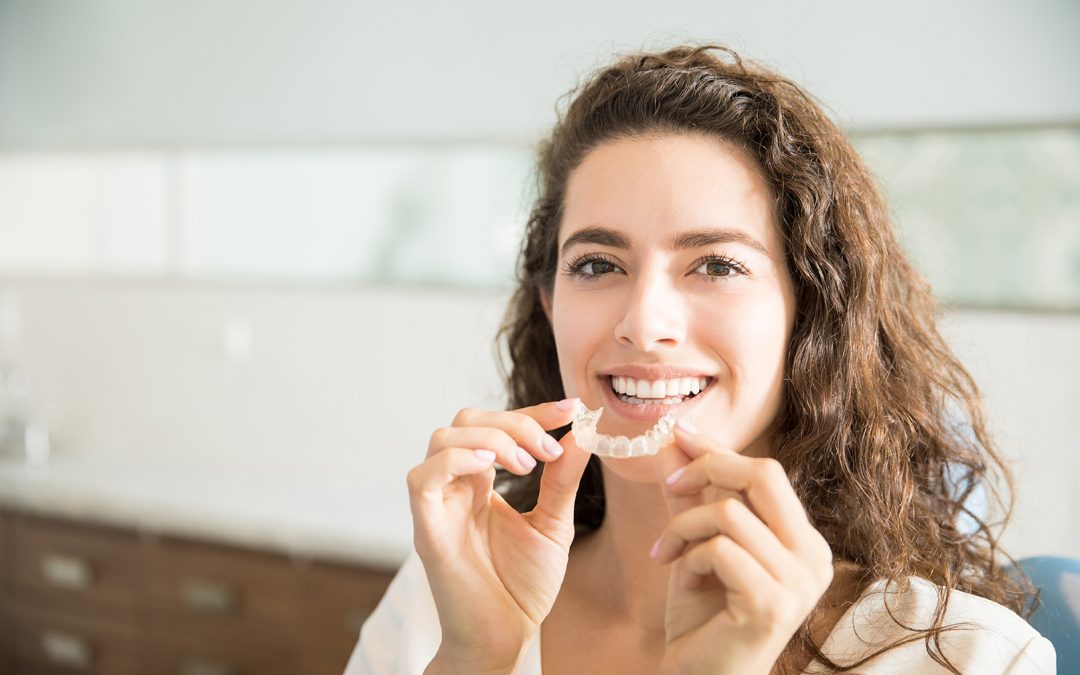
(718, 267)
(590, 266)
(595, 267)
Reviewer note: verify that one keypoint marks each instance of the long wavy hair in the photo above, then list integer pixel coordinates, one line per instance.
(881, 431)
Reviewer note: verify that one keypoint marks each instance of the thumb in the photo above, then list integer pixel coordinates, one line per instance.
(558, 488)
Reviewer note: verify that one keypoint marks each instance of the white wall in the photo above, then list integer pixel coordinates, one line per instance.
(137, 72)
(355, 380)
(352, 382)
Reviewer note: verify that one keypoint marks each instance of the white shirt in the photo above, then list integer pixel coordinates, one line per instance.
(403, 634)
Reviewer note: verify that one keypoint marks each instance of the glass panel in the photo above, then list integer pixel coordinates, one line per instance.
(412, 215)
(63, 213)
(992, 218)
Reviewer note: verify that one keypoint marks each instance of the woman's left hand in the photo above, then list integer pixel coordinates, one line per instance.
(748, 565)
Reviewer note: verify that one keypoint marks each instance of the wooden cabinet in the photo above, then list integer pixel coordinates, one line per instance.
(80, 598)
(6, 630)
(52, 641)
(83, 569)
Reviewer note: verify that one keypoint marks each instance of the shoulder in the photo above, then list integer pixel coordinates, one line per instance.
(979, 635)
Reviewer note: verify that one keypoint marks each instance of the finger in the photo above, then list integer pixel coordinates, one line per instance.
(695, 444)
(527, 426)
(429, 482)
(553, 414)
(670, 459)
(559, 487)
(733, 519)
(507, 452)
(762, 480)
(738, 571)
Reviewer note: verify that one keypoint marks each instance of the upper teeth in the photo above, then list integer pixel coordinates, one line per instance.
(683, 386)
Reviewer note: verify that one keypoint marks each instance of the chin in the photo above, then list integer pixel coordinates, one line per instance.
(633, 469)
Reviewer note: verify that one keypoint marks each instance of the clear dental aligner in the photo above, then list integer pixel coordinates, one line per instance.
(648, 443)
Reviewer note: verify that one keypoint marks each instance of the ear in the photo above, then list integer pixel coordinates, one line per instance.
(545, 302)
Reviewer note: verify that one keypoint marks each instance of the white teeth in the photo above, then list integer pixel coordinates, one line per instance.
(658, 389)
(684, 386)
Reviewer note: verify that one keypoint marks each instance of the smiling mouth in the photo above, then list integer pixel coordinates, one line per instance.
(675, 391)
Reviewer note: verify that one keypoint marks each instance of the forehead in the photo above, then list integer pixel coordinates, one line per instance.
(653, 187)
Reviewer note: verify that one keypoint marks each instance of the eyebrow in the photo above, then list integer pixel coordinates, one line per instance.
(692, 239)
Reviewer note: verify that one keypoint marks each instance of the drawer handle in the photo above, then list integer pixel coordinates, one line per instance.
(66, 571)
(207, 596)
(66, 649)
(197, 666)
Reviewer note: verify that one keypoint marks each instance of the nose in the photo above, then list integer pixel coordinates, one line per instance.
(654, 315)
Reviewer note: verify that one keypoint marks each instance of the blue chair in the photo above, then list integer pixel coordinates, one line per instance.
(1058, 614)
(1057, 618)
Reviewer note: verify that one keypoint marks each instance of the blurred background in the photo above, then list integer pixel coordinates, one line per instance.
(253, 253)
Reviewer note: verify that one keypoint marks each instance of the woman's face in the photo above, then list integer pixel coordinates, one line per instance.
(671, 273)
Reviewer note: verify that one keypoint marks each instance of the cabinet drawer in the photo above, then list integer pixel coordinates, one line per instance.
(50, 643)
(77, 567)
(337, 601)
(211, 588)
(173, 655)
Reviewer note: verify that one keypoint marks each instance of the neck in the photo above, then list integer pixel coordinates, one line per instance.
(621, 577)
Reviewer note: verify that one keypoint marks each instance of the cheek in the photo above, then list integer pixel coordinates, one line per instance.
(577, 329)
(752, 342)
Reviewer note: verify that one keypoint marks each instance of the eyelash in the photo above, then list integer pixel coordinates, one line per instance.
(575, 268)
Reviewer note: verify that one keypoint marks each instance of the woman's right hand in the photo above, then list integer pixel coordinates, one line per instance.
(494, 573)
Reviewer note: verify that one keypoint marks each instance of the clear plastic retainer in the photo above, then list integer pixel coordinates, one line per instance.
(648, 443)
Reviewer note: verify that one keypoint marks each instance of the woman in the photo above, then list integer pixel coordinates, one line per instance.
(700, 224)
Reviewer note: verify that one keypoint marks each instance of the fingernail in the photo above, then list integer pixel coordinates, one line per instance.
(686, 425)
(484, 456)
(675, 476)
(526, 460)
(567, 404)
(551, 445)
(655, 550)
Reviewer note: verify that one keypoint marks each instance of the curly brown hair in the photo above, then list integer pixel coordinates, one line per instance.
(881, 431)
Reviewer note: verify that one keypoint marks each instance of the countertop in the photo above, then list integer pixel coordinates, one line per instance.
(311, 514)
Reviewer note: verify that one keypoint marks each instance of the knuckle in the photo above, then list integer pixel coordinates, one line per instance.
(525, 425)
(782, 612)
(771, 469)
(706, 462)
(464, 416)
(720, 546)
(762, 608)
(728, 509)
(678, 523)
(826, 552)
(827, 575)
(413, 479)
(438, 438)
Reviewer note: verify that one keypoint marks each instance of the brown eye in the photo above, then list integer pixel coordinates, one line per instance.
(599, 267)
(717, 269)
